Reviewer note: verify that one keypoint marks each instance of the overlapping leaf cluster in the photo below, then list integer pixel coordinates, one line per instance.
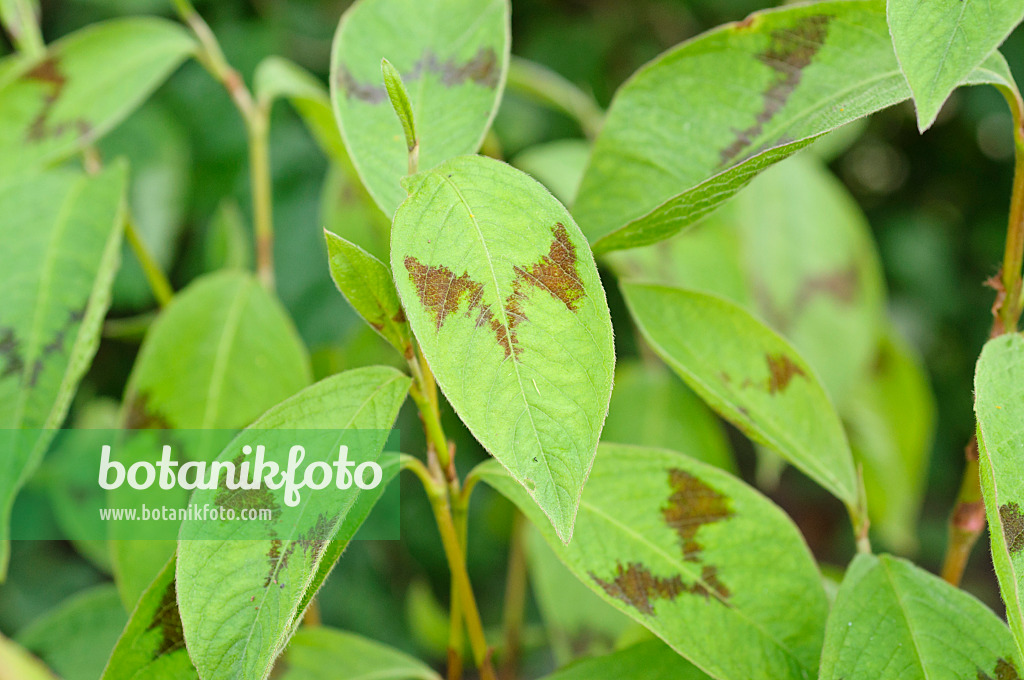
(770, 308)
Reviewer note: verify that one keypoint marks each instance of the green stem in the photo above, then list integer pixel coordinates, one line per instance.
(549, 88)
(460, 579)
(22, 24)
(262, 196)
(424, 393)
(438, 493)
(256, 117)
(158, 283)
(967, 520)
(515, 599)
(1008, 307)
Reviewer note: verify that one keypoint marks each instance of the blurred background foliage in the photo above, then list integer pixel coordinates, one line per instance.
(936, 203)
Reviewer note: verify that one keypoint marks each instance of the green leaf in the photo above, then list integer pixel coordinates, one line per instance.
(781, 79)
(939, 44)
(892, 619)
(366, 283)
(453, 57)
(350, 525)
(577, 621)
(56, 272)
(399, 97)
(752, 377)
(75, 639)
(326, 654)
(812, 270)
(891, 420)
(85, 84)
(557, 165)
(70, 478)
(999, 405)
(796, 251)
(650, 660)
(708, 564)
(237, 620)
(17, 664)
(504, 298)
(152, 646)
(651, 407)
(242, 354)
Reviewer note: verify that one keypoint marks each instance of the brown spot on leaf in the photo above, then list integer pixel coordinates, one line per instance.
(140, 416)
(790, 51)
(635, 585)
(48, 72)
(371, 94)
(1013, 527)
(167, 619)
(10, 352)
(1004, 670)
(556, 272)
(692, 505)
(244, 499)
(439, 290)
(74, 317)
(481, 68)
(399, 316)
(781, 370)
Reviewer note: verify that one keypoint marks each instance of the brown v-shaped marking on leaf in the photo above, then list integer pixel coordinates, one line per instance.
(442, 292)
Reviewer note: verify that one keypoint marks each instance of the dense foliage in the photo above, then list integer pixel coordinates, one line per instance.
(680, 323)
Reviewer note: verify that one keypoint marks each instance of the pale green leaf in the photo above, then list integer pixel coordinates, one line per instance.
(453, 57)
(939, 44)
(651, 407)
(691, 128)
(222, 353)
(59, 251)
(705, 562)
(84, 85)
(999, 405)
(17, 664)
(894, 620)
(152, 646)
(751, 376)
(399, 97)
(503, 295)
(326, 654)
(650, 660)
(75, 639)
(366, 283)
(891, 420)
(243, 597)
